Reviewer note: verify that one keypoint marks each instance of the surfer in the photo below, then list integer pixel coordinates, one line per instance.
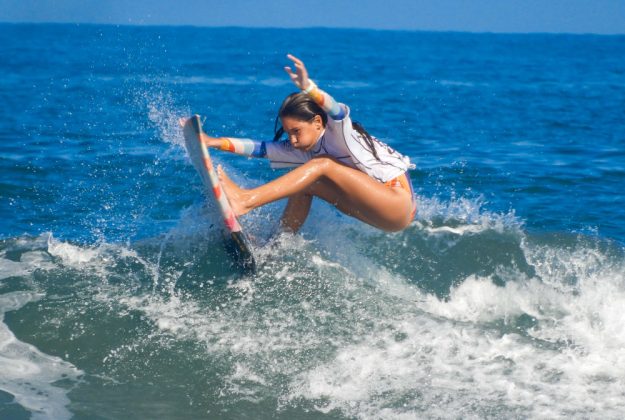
(335, 159)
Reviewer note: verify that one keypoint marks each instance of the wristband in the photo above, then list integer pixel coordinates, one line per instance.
(226, 145)
(311, 86)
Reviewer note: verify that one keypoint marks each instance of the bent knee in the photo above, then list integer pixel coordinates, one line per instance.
(323, 163)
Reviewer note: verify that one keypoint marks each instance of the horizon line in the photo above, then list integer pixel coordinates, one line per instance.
(357, 28)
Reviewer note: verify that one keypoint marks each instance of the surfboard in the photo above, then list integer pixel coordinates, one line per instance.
(236, 241)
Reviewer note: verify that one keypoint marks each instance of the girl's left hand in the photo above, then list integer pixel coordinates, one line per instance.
(300, 77)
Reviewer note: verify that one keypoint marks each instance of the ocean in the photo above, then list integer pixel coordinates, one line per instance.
(504, 298)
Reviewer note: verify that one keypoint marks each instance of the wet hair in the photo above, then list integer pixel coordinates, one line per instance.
(302, 107)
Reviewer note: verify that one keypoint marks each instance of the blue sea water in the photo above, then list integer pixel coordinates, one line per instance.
(503, 299)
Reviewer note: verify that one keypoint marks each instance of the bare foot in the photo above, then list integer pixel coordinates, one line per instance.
(237, 197)
(182, 121)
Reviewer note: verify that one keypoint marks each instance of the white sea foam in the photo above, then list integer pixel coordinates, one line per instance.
(336, 331)
(465, 354)
(29, 260)
(10, 268)
(396, 352)
(72, 255)
(460, 230)
(27, 373)
(453, 359)
(545, 345)
(460, 216)
(589, 318)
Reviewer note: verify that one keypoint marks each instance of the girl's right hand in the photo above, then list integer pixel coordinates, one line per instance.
(209, 141)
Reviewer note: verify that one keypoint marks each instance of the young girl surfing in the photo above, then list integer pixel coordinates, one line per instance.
(335, 159)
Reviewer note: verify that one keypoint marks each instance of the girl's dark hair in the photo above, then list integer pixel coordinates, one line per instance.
(368, 139)
(302, 107)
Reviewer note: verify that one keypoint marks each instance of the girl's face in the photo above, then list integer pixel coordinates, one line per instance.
(303, 135)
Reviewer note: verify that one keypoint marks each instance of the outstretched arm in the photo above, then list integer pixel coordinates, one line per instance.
(335, 110)
(245, 147)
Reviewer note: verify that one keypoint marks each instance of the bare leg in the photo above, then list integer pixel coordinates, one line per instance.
(296, 211)
(350, 190)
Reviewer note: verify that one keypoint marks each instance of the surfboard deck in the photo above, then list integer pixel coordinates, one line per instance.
(236, 242)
